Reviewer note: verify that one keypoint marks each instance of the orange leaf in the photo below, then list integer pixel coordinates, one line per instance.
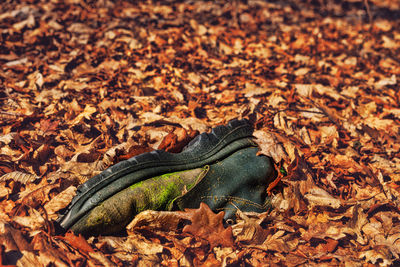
(208, 225)
(176, 141)
(78, 242)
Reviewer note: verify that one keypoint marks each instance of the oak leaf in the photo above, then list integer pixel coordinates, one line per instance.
(208, 225)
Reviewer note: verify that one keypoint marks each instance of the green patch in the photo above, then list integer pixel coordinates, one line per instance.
(158, 192)
(283, 171)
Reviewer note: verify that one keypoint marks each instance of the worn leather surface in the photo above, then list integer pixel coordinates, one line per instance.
(239, 181)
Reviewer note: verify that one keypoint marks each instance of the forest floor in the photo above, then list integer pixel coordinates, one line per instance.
(86, 84)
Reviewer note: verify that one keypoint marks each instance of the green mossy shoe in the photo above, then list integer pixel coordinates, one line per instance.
(219, 168)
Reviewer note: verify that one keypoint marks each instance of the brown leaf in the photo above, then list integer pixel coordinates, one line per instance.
(143, 246)
(59, 202)
(99, 258)
(319, 197)
(19, 177)
(270, 146)
(210, 261)
(12, 238)
(162, 220)
(63, 152)
(174, 142)
(4, 190)
(38, 196)
(78, 242)
(48, 254)
(86, 114)
(41, 154)
(248, 230)
(48, 126)
(28, 259)
(378, 255)
(34, 220)
(329, 246)
(275, 242)
(87, 82)
(133, 151)
(208, 225)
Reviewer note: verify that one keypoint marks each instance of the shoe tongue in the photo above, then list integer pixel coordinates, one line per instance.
(189, 178)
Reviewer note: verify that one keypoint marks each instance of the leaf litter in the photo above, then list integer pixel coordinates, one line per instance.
(88, 84)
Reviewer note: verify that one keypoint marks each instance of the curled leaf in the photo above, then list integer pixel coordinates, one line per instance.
(319, 197)
(59, 202)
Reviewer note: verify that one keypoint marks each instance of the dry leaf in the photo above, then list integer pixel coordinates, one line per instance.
(19, 177)
(176, 141)
(78, 242)
(34, 220)
(85, 86)
(59, 202)
(270, 146)
(162, 220)
(319, 197)
(248, 229)
(208, 225)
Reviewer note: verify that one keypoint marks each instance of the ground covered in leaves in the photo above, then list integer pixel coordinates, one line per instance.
(85, 84)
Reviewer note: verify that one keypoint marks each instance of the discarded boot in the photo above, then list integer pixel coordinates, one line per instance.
(219, 168)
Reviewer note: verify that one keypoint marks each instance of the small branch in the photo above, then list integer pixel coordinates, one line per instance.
(299, 110)
(10, 113)
(366, 4)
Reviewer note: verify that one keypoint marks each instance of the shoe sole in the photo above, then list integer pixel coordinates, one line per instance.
(205, 149)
